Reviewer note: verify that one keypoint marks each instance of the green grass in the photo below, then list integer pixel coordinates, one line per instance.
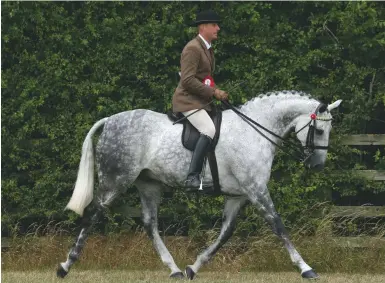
(248, 258)
(93, 276)
(135, 252)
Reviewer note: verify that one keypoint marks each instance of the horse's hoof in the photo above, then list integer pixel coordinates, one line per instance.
(61, 272)
(177, 275)
(310, 274)
(190, 273)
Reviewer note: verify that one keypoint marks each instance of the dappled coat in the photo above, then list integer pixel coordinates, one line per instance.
(196, 64)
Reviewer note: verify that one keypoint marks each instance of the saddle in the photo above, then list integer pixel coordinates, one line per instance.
(190, 136)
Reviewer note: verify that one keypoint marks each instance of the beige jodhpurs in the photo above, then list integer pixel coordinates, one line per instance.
(202, 122)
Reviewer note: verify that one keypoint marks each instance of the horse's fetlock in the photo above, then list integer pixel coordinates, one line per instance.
(73, 255)
(203, 258)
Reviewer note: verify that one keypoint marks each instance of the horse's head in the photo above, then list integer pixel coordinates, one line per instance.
(313, 132)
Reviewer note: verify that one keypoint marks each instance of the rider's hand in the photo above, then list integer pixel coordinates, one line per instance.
(220, 94)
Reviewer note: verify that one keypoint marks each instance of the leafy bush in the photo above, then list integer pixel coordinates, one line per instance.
(67, 64)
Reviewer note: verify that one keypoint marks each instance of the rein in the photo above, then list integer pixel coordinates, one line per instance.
(309, 148)
(204, 106)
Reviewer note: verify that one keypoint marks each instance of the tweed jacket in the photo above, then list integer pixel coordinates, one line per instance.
(196, 63)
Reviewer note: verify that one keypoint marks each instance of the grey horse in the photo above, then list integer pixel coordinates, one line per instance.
(143, 148)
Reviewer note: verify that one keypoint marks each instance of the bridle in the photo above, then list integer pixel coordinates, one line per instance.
(308, 149)
(310, 146)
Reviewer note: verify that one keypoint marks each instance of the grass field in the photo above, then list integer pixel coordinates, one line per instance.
(132, 258)
(93, 276)
(135, 252)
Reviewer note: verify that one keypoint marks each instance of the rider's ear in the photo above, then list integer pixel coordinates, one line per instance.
(323, 108)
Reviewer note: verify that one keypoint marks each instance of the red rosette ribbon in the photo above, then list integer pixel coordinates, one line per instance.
(313, 116)
(209, 81)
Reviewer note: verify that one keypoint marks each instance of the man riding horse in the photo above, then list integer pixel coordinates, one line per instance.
(196, 89)
(140, 147)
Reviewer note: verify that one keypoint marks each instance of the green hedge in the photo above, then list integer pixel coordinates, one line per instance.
(67, 64)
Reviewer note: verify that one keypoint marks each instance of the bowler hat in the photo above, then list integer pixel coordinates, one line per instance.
(205, 17)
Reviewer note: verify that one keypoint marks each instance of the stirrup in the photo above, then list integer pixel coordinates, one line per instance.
(192, 179)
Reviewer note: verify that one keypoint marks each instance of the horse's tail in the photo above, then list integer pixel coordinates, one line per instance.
(84, 187)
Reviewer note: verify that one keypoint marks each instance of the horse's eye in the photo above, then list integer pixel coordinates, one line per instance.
(319, 131)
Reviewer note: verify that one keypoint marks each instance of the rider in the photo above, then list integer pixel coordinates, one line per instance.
(196, 89)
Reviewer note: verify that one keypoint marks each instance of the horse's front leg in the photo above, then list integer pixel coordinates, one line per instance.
(150, 194)
(232, 207)
(266, 208)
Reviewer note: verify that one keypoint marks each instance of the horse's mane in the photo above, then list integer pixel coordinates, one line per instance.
(279, 94)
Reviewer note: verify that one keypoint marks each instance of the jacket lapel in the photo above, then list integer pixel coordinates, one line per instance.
(212, 59)
(209, 55)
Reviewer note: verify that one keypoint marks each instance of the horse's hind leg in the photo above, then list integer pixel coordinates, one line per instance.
(150, 195)
(266, 208)
(92, 214)
(230, 212)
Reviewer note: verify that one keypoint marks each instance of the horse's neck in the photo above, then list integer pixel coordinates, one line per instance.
(278, 113)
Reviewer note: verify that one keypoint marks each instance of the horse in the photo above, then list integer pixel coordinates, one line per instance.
(143, 148)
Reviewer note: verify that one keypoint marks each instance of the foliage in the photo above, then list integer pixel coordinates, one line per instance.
(67, 64)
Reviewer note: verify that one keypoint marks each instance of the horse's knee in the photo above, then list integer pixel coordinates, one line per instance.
(148, 230)
(281, 230)
(276, 224)
(148, 225)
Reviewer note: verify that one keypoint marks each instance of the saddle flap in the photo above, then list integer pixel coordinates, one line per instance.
(190, 134)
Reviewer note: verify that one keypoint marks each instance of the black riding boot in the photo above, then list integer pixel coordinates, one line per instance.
(193, 180)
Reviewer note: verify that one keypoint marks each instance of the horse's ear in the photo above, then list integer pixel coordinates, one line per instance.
(322, 108)
(334, 105)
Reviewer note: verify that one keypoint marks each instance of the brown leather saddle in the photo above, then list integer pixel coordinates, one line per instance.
(190, 136)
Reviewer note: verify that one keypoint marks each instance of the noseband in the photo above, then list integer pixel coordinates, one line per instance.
(309, 146)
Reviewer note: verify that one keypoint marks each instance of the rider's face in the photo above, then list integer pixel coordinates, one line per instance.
(210, 31)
